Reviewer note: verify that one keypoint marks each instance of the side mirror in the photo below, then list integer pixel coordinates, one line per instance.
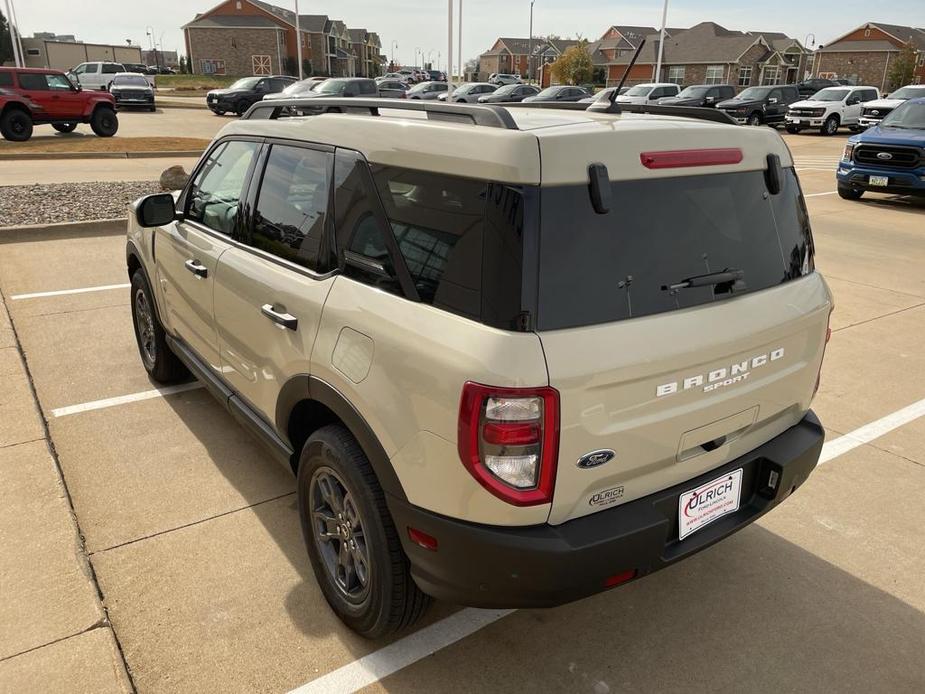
(155, 210)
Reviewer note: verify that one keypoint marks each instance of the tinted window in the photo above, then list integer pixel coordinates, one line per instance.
(112, 68)
(216, 191)
(292, 205)
(32, 81)
(6, 79)
(367, 87)
(601, 268)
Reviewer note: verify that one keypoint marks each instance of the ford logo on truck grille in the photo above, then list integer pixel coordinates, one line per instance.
(595, 458)
(884, 155)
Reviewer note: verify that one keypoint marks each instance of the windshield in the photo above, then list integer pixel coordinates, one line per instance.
(549, 91)
(133, 80)
(908, 92)
(245, 83)
(302, 87)
(422, 87)
(597, 268)
(754, 93)
(331, 87)
(604, 95)
(911, 116)
(462, 89)
(829, 95)
(693, 92)
(639, 90)
(506, 89)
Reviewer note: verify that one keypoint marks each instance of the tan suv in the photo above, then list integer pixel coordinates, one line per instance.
(515, 356)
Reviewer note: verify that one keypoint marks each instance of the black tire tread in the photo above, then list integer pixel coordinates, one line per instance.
(167, 368)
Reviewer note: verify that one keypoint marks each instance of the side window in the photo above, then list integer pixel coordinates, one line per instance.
(80, 69)
(111, 68)
(437, 221)
(869, 95)
(216, 191)
(6, 79)
(58, 82)
(368, 87)
(292, 205)
(776, 94)
(32, 81)
(854, 97)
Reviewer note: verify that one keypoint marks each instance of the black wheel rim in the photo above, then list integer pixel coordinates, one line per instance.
(144, 325)
(339, 536)
(18, 124)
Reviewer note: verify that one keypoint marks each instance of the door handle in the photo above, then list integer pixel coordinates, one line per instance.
(284, 319)
(196, 268)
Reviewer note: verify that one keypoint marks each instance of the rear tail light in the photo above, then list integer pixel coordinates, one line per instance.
(509, 441)
(681, 158)
(619, 578)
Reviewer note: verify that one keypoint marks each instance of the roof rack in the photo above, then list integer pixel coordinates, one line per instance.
(698, 112)
(488, 115)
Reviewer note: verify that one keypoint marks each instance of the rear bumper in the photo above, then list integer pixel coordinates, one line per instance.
(543, 566)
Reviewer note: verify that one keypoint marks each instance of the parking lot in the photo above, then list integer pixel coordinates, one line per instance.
(193, 537)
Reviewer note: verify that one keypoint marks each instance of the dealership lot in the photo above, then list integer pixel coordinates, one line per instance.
(193, 537)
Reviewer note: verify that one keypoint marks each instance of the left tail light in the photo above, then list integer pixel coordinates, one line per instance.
(508, 440)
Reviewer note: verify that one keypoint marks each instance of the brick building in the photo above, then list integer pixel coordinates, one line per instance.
(512, 56)
(707, 53)
(864, 55)
(252, 37)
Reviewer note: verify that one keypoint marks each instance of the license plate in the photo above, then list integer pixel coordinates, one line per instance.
(701, 506)
(879, 180)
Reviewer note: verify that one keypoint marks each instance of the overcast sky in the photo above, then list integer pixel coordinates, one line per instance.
(422, 23)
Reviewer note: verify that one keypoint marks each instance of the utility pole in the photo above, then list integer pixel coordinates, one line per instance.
(530, 76)
(298, 39)
(661, 43)
(462, 72)
(449, 52)
(14, 36)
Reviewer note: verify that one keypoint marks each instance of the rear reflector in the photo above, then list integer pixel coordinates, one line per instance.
(680, 158)
(619, 578)
(422, 539)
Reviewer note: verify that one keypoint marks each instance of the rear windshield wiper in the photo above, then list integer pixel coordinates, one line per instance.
(729, 276)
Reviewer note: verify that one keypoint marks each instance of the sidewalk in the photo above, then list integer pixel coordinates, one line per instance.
(55, 635)
(25, 172)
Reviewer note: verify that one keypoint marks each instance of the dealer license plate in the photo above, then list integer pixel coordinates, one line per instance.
(879, 180)
(701, 506)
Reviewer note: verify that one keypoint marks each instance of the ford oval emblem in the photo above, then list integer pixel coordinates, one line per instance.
(595, 458)
(884, 155)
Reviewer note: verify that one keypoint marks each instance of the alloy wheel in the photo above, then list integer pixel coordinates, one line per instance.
(144, 323)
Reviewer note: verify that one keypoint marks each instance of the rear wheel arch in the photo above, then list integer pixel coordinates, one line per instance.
(306, 403)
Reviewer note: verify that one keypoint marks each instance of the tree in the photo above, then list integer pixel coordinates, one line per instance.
(574, 66)
(6, 41)
(903, 67)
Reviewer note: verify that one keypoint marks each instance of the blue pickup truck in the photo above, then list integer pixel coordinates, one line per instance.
(888, 158)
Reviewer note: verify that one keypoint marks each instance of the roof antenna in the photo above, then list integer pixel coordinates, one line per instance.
(612, 106)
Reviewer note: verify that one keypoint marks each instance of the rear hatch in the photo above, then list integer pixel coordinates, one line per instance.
(674, 379)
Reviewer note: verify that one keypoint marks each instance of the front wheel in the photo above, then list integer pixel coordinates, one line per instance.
(240, 108)
(849, 193)
(754, 119)
(104, 122)
(64, 127)
(156, 356)
(792, 129)
(830, 127)
(352, 543)
(16, 125)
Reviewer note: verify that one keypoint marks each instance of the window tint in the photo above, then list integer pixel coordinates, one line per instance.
(601, 268)
(6, 79)
(111, 68)
(214, 195)
(367, 87)
(32, 81)
(292, 205)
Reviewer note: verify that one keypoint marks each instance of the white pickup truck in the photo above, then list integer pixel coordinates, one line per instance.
(99, 75)
(829, 109)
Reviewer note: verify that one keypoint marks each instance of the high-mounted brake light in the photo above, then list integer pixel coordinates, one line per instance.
(681, 158)
(508, 440)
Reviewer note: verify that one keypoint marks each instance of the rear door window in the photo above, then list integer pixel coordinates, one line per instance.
(32, 81)
(111, 68)
(625, 264)
(292, 204)
(6, 79)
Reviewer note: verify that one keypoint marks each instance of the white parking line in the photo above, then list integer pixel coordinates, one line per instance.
(124, 399)
(63, 292)
(421, 644)
(812, 195)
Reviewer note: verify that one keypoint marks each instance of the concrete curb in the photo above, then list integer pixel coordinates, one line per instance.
(174, 104)
(90, 228)
(99, 155)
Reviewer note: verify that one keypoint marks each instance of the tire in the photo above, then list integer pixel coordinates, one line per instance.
(156, 356)
(849, 193)
(104, 122)
(753, 119)
(152, 109)
(64, 127)
(218, 113)
(240, 108)
(855, 128)
(338, 493)
(16, 125)
(792, 129)
(830, 127)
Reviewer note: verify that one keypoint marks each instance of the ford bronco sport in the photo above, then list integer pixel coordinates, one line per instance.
(506, 379)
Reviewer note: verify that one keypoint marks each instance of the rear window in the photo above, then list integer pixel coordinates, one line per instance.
(6, 79)
(598, 268)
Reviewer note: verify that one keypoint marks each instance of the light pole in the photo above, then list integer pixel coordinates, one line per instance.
(459, 48)
(430, 59)
(298, 39)
(394, 46)
(661, 43)
(449, 52)
(530, 76)
(150, 32)
(15, 37)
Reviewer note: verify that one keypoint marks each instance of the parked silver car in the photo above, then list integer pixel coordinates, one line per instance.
(427, 90)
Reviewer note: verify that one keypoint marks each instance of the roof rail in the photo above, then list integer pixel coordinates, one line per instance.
(488, 115)
(698, 112)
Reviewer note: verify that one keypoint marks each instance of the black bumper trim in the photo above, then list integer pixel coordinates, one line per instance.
(546, 565)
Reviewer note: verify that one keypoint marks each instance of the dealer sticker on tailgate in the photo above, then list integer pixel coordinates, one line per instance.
(708, 502)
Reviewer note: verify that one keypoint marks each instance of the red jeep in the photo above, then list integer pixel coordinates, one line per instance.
(48, 96)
